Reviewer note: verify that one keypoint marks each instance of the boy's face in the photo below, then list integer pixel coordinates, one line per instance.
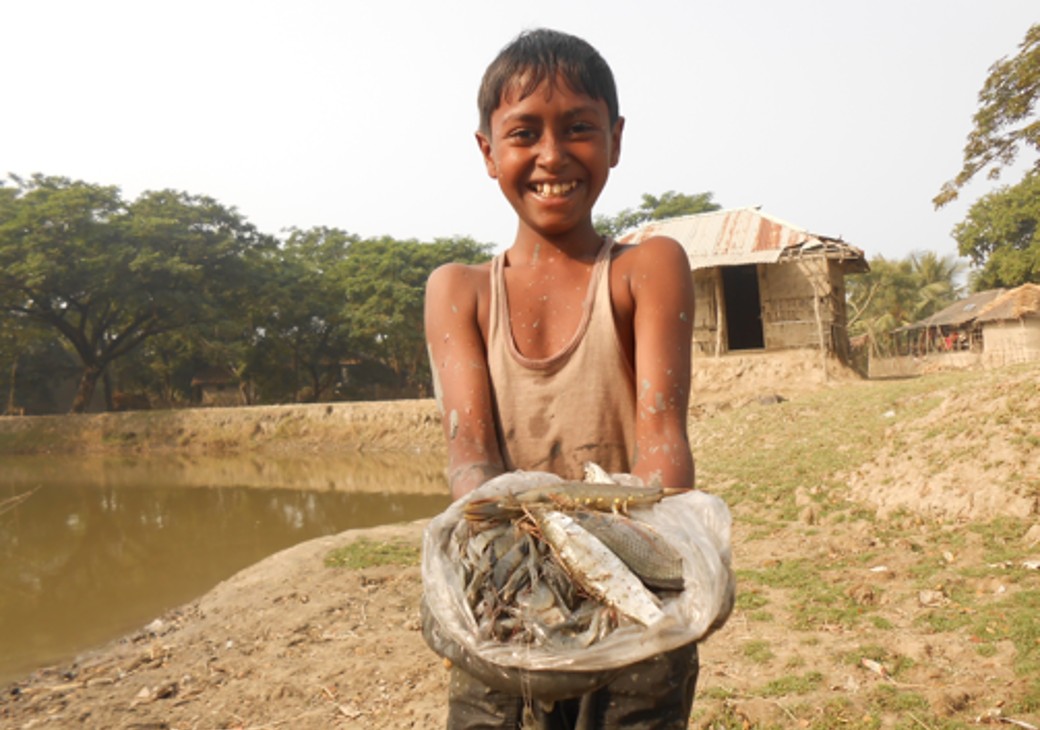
(551, 153)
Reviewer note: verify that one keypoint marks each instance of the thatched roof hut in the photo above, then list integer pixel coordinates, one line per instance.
(1011, 326)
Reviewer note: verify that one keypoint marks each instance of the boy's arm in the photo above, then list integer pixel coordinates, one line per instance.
(662, 295)
(458, 361)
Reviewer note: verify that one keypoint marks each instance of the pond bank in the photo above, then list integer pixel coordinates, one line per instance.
(411, 426)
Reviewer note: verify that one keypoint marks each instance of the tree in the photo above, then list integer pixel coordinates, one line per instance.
(1001, 235)
(385, 281)
(107, 275)
(306, 326)
(669, 205)
(936, 278)
(1006, 117)
(897, 293)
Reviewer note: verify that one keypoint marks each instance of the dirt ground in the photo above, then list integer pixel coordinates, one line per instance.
(291, 643)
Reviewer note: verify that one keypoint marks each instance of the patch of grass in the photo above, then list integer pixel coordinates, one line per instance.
(1013, 619)
(868, 651)
(793, 685)
(895, 664)
(364, 553)
(1030, 699)
(761, 616)
(927, 571)
(867, 557)
(1024, 631)
(841, 713)
(822, 450)
(750, 600)
(758, 651)
(986, 650)
(943, 620)
(817, 600)
(889, 698)
(716, 693)
(1002, 538)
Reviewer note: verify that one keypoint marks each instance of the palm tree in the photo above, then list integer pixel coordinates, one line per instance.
(897, 293)
(937, 277)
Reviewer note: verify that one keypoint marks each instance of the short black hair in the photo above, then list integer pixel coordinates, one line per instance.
(537, 55)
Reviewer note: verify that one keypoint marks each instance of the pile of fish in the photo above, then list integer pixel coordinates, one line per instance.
(563, 565)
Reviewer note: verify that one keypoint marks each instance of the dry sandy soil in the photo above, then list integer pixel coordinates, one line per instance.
(291, 643)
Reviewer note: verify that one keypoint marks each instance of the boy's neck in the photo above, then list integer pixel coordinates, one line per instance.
(531, 247)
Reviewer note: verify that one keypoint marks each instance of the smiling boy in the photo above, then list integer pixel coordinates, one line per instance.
(566, 348)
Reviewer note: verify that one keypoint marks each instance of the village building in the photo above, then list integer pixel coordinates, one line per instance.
(763, 285)
(213, 386)
(1010, 327)
(990, 328)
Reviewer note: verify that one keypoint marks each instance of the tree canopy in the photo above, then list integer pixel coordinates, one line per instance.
(306, 333)
(1001, 235)
(653, 208)
(145, 295)
(896, 293)
(106, 275)
(1006, 118)
(385, 281)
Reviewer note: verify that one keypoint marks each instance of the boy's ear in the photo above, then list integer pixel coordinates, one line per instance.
(615, 141)
(485, 150)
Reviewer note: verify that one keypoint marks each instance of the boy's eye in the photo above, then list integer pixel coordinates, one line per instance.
(522, 134)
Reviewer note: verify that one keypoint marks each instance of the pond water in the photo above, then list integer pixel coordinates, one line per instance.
(92, 548)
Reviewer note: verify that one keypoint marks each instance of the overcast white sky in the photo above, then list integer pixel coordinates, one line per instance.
(841, 117)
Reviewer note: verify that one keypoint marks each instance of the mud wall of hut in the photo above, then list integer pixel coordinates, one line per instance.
(1013, 341)
(796, 307)
(802, 304)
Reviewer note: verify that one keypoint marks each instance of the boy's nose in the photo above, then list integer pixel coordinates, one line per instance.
(552, 152)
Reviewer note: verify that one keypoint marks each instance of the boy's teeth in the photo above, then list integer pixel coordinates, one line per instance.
(554, 189)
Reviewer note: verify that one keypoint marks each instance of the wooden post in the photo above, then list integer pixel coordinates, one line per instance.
(819, 331)
(818, 290)
(720, 312)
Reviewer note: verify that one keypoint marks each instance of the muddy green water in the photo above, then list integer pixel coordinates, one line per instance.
(92, 549)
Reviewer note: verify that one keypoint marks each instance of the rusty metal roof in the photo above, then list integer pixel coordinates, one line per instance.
(961, 312)
(745, 236)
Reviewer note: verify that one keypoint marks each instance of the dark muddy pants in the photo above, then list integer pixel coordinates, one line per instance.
(656, 694)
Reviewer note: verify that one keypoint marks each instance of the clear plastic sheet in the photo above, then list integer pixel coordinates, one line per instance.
(695, 523)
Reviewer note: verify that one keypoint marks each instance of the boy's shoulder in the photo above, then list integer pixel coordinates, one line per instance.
(652, 276)
(455, 281)
(654, 254)
(458, 273)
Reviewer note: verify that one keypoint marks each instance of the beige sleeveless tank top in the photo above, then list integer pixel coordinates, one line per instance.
(578, 405)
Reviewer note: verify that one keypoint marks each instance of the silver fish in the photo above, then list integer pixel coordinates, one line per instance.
(640, 547)
(596, 569)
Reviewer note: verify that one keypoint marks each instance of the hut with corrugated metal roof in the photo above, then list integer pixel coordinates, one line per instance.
(762, 284)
